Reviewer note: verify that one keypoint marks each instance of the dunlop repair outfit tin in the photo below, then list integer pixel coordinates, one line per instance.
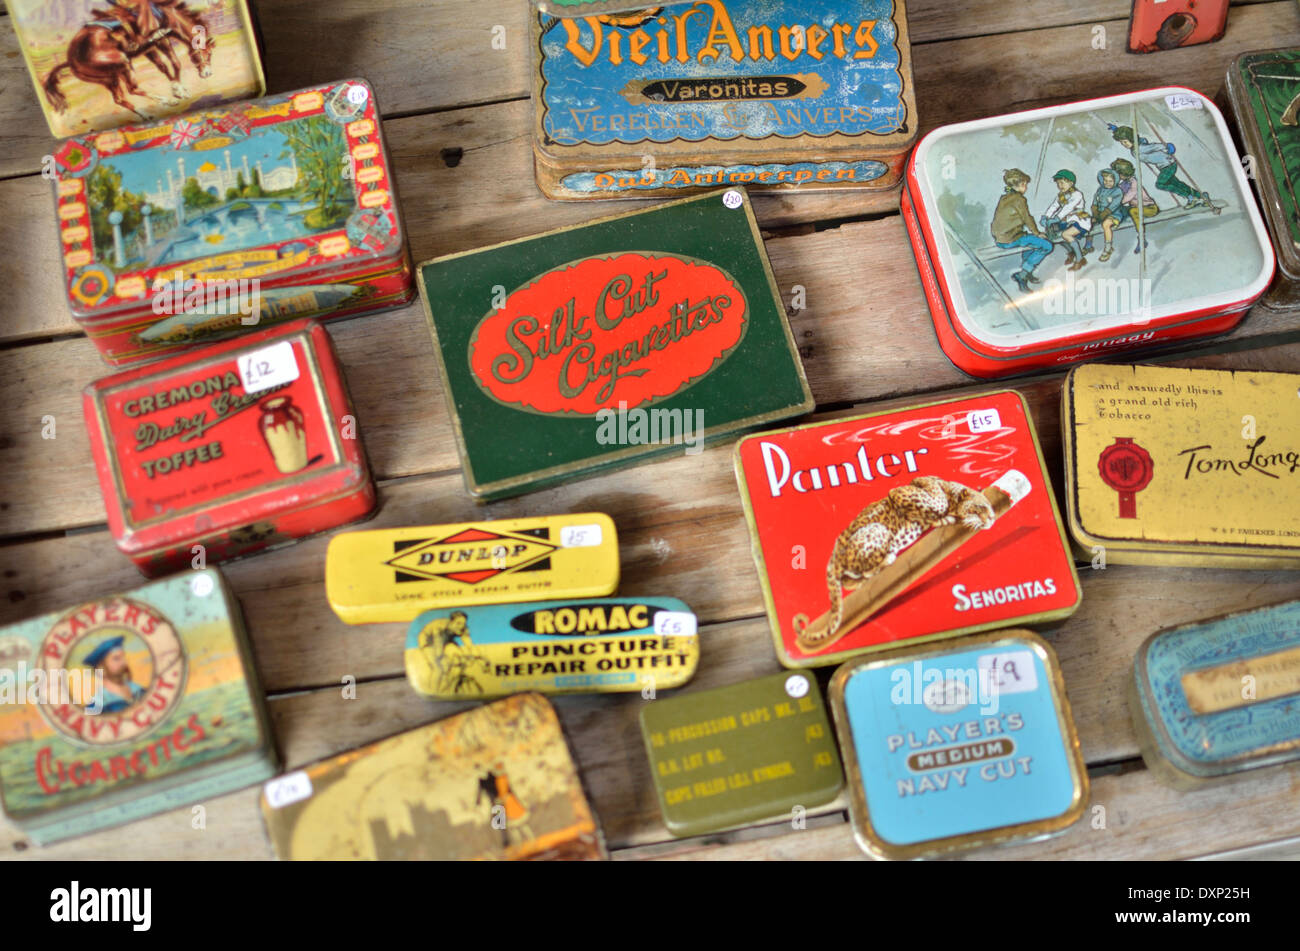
(600, 645)
(1033, 252)
(904, 526)
(131, 705)
(1217, 698)
(958, 745)
(611, 342)
(208, 224)
(681, 97)
(1165, 466)
(494, 782)
(392, 574)
(240, 447)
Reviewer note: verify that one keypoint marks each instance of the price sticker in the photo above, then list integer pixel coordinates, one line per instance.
(581, 536)
(1183, 100)
(271, 366)
(287, 790)
(1012, 672)
(675, 624)
(983, 420)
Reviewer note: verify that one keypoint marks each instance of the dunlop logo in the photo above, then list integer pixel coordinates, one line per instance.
(472, 555)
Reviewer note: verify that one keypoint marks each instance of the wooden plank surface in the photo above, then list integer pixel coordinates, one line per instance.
(458, 132)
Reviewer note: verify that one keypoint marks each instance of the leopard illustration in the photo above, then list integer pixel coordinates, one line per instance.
(884, 528)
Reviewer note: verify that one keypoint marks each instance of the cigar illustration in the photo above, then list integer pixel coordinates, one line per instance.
(894, 541)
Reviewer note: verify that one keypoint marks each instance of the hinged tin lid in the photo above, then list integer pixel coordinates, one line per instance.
(1006, 205)
(723, 77)
(275, 190)
(223, 438)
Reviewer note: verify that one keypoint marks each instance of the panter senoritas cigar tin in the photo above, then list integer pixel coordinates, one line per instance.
(129, 705)
(741, 754)
(1167, 466)
(219, 221)
(590, 645)
(957, 746)
(393, 574)
(240, 447)
(904, 526)
(1168, 24)
(1215, 698)
(97, 65)
(681, 97)
(1263, 90)
(1033, 252)
(496, 782)
(607, 343)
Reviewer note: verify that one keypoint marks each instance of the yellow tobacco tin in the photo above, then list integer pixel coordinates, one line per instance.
(393, 574)
(1169, 466)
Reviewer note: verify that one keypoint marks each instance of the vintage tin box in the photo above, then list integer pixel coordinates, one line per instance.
(1168, 24)
(127, 706)
(393, 574)
(680, 97)
(97, 65)
(1264, 91)
(904, 526)
(595, 645)
(240, 447)
(1216, 698)
(741, 754)
(1165, 466)
(495, 782)
(1026, 228)
(607, 343)
(218, 221)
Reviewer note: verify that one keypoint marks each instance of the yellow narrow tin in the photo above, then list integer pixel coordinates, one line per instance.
(394, 574)
(1170, 466)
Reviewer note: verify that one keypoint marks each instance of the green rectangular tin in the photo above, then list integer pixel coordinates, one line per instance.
(741, 754)
(608, 343)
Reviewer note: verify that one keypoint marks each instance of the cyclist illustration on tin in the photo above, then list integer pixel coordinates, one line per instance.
(450, 651)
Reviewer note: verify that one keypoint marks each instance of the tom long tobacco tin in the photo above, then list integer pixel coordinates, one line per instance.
(205, 225)
(741, 754)
(393, 574)
(679, 97)
(96, 65)
(958, 745)
(1183, 467)
(607, 343)
(598, 645)
(243, 446)
(1218, 697)
(1032, 249)
(904, 526)
(495, 782)
(129, 705)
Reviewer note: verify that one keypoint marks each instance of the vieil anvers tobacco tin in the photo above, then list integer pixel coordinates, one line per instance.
(218, 221)
(1167, 466)
(958, 745)
(1216, 698)
(904, 526)
(1061, 234)
(681, 97)
(242, 446)
(129, 705)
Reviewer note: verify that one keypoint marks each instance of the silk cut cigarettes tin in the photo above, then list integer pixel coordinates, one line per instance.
(904, 526)
(608, 343)
(598, 645)
(681, 97)
(1165, 466)
(1168, 24)
(238, 448)
(495, 782)
(1032, 249)
(127, 706)
(100, 65)
(1262, 89)
(741, 754)
(957, 746)
(1216, 698)
(214, 222)
(393, 574)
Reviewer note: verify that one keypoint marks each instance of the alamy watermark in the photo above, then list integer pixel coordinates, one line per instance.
(651, 427)
(240, 297)
(58, 687)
